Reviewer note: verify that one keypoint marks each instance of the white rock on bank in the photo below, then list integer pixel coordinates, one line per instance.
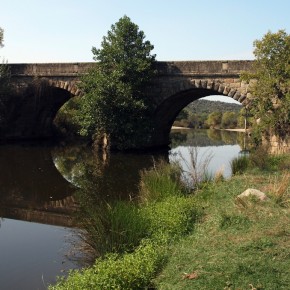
(254, 192)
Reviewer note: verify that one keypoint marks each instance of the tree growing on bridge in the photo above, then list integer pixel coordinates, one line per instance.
(271, 90)
(115, 103)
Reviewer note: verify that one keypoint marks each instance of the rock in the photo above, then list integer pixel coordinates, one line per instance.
(254, 192)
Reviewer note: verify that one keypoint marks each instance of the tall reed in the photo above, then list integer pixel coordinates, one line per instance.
(117, 227)
(239, 164)
(195, 169)
(161, 181)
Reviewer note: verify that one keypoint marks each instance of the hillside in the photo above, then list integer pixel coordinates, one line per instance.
(209, 114)
(205, 106)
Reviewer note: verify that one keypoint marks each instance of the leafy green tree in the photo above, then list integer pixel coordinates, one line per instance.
(229, 120)
(270, 104)
(214, 119)
(114, 102)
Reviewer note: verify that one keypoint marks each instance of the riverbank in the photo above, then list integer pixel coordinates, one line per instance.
(180, 128)
(210, 239)
(233, 130)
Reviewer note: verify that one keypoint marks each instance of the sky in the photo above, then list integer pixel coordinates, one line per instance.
(66, 30)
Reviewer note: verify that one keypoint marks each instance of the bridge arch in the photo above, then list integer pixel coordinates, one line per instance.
(56, 94)
(167, 111)
(70, 86)
(39, 99)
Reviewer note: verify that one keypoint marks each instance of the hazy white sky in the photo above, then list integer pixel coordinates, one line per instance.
(66, 30)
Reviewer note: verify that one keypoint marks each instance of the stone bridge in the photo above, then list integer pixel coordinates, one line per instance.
(43, 88)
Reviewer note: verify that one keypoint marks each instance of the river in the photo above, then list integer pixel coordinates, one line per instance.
(38, 232)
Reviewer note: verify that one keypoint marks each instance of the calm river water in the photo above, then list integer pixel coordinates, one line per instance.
(38, 234)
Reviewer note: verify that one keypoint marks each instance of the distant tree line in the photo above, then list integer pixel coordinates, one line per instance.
(204, 114)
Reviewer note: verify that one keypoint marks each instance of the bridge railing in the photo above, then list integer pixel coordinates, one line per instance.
(163, 68)
(50, 69)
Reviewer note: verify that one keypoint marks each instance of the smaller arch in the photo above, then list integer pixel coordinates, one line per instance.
(167, 111)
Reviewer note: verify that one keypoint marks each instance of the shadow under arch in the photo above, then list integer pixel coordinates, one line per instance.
(33, 115)
(166, 113)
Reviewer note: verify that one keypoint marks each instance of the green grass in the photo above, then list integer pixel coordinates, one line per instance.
(239, 244)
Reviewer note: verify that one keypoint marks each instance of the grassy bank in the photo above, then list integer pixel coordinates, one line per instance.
(239, 243)
(209, 239)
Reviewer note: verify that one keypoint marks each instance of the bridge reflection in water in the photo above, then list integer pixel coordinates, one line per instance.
(38, 182)
(31, 189)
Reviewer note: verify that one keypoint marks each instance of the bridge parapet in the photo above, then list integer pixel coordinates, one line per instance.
(231, 67)
(50, 69)
(210, 68)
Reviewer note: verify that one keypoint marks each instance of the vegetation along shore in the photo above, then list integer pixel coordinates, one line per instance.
(205, 237)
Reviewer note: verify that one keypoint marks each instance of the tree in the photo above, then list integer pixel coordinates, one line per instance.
(214, 119)
(229, 120)
(271, 89)
(114, 102)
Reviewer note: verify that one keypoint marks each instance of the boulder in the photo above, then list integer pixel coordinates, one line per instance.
(254, 192)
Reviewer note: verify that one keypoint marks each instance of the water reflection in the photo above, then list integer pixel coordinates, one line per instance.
(36, 206)
(203, 138)
(223, 146)
(30, 186)
(113, 175)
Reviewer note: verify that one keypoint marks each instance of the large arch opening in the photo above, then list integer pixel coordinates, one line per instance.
(168, 110)
(36, 110)
(52, 99)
